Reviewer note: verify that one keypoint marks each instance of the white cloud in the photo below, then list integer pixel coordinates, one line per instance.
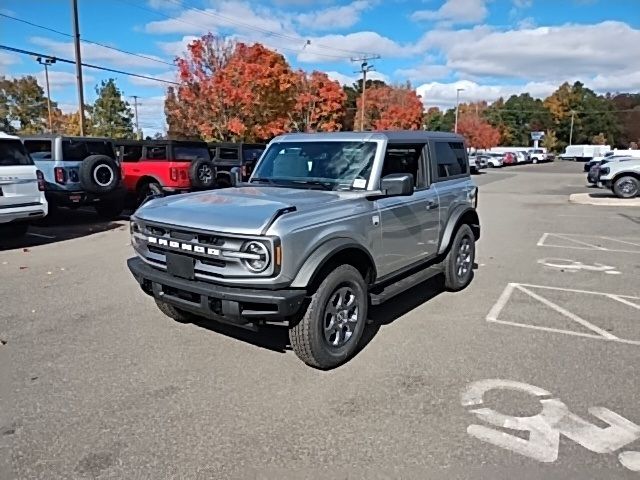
(151, 115)
(423, 72)
(333, 18)
(178, 48)
(97, 54)
(356, 42)
(343, 79)
(542, 53)
(522, 3)
(7, 60)
(455, 11)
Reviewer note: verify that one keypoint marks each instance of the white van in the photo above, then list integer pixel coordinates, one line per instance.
(22, 197)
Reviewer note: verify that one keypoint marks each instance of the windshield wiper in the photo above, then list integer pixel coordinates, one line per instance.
(315, 183)
(261, 180)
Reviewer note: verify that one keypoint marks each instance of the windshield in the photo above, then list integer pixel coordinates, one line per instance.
(191, 153)
(12, 153)
(332, 165)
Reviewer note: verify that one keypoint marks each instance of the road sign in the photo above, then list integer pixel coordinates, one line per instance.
(537, 135)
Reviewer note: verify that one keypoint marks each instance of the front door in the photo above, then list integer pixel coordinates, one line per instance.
(409, 225)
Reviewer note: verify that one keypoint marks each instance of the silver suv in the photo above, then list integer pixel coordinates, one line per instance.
(326, 225)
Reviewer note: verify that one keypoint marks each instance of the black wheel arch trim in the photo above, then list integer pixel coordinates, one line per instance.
(452, 225)
(322, 255)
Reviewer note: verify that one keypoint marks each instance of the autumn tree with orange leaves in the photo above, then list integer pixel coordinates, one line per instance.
(233, 91)
(478, 132)
(391, 108)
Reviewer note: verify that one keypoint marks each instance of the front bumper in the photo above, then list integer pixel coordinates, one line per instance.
(218, 302)
(78, 198)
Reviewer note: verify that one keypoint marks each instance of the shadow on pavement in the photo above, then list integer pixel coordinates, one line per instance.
(276, 338)
(64, 224)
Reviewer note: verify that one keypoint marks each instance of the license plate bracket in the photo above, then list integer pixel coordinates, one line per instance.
(75, 198)
(180, 266)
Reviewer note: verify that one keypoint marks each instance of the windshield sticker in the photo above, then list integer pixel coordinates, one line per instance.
(359, 183)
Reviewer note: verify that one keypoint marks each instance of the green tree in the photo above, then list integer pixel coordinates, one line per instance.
(23, 103)
(550, 141)
(435, 120)
(111, 115)
(518, 117)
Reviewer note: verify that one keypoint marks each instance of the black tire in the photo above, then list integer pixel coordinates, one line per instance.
(458, 265)
(626, 186)
(223, 182)
(99, 174)
(149, 189)
(310, 338)
(202, 174)
(13, 230)
(110, 210)
(175, 313)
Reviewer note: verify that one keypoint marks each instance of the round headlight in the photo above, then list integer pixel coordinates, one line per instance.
(260, 257)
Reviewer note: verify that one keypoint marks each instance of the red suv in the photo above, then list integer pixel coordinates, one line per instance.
(158, 167)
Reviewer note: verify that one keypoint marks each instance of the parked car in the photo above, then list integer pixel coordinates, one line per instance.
(583, 153)
(229, 155)
(494, 160)
(509, 158)
(79, 171)
(537, 155)
(327, 224)
(521, 157)
(482, 162)
(473, 164)
(622, 177)
(22, 198)
(161, 167)
(594, 166)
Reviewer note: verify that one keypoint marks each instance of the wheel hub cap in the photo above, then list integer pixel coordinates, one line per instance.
(341, 317)
(463, 258)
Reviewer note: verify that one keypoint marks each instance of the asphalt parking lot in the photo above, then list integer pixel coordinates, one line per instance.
(532, 371)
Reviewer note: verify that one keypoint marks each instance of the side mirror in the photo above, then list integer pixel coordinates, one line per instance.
(397, 184)
(236, 176)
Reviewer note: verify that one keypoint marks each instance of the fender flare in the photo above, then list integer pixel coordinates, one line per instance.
(146, 178)
(452, 226)
(321, 255)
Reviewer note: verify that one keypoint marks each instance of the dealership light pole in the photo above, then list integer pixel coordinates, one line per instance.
(76, 44)
(46, 62)
(458, 90)
(573, 113)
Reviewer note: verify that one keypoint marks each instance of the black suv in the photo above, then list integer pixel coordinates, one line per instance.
(227, 155)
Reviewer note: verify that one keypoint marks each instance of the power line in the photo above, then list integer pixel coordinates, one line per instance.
(84, 40)
(275, 34)
(88, 65)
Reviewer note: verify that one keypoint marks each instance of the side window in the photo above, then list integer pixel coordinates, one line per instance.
(405, 159)
(131, 153)
(450, 159)
(39, 149)
(228, 153)
(157, 153)
(74, 151)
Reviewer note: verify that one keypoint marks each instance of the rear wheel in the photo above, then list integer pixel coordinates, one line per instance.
(147, 190)
(459, 262)
(626, 187)
(331, 328)
(177, 314)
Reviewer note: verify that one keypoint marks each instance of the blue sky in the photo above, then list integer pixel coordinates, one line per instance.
(490, 48)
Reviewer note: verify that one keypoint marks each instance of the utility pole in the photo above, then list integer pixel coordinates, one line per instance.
(135, 109)
(364, 68)
(46, 62)
(76, 42)
(573, 113)
(458, 90)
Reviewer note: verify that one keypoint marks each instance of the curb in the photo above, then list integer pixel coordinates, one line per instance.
(603, 200)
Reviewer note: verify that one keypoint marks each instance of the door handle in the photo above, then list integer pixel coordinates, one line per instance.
(431, 205)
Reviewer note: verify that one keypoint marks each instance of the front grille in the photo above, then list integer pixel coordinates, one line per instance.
(212, 253)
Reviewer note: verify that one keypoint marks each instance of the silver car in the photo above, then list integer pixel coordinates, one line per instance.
(326, 225)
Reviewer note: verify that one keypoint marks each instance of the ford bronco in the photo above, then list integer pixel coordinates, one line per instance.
(326, 225)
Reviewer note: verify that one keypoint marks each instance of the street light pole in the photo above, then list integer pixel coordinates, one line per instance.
(135, 109)
(458, 90)
(573, 113)
(46, 62)
(364, 68)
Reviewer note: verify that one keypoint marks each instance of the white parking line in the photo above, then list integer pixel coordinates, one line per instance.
(583, 242)
(599, 333)
(39, 235)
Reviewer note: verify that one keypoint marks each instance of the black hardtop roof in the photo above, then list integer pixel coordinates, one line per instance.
(51, 136)
(198, 143)
(236, 144)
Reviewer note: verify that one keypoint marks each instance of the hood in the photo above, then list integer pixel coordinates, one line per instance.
(246, 210)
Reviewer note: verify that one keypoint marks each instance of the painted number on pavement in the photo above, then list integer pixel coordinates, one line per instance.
(545, 428)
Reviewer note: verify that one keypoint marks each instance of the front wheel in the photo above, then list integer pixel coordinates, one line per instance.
(458, 265)
(330, 330)
(151, 189)
(626, 187)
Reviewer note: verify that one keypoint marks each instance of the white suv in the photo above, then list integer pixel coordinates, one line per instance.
(21, 188)
(622, 177)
